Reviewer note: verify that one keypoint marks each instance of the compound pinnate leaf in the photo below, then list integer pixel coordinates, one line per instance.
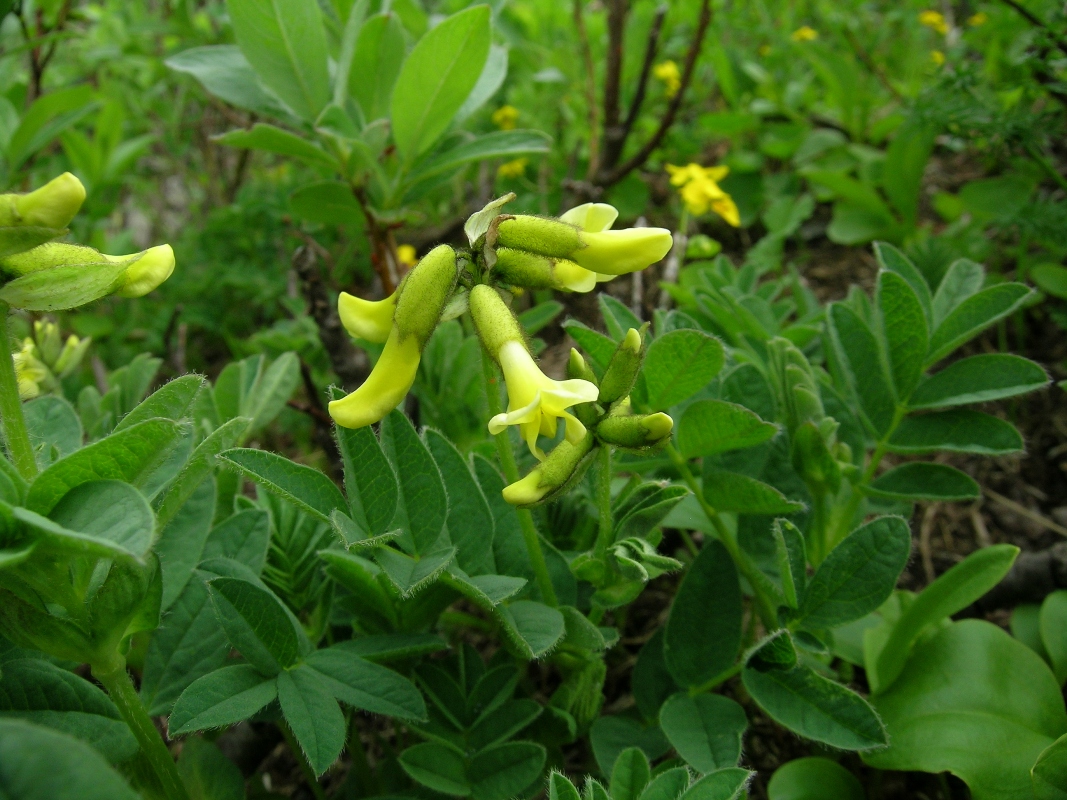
(959, 430)
(979, 379)
(423, 504)
(919, 480)
(366, 685)
(708, 427)
(221, 698)
(301, 485)
(677, 365)
(369, 479)
(905, 327)
(437, 767)
(313, 716)
(974, 315)
(865, 365)
(256, 624)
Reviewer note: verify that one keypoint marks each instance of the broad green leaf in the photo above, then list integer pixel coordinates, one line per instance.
(181, 544)
(723, 784)
(533, 628)
(223, 697)
(630, 774)
(904, 324)
(170, 401)
(705, 730)
(895, 261)
(437, 767)
(107, 512)
(1049, 774)
(189, 644)
(130, 456)
(207, 773)
(500, 144)
(814, 778)
(272, 391)
(328, 203)
(815, 707)
(392, 646)
(957, 431)
(668, 785)
(365, 685)
(470, 522)
(256, 624)
(1052, 622)
(199, 466)
(535, 318)
(411, 574)
(369, 479)
(905, 162)
(492, 78)
(243, 537)
(504, 770)
(271, 139)
(223, 70)
(864, 363)
(303, 486)
(954, 590)
(422, 509)
(356, 16)
(313, 716)
(486, 591)
(974, 315)
(560, 787)
(436, 78)
(54, 428)
(963, 279)
(974, 702)
(651, 682)
(732, 491)
(618, 319)
(709, 427)
(63, 288)
(697, 646)
(285, 43)
(678, 365)
(858, 575)
(38, 763)
(38, 691)
(376, 63)
(610, 736)
(979, 379)
(919, 480)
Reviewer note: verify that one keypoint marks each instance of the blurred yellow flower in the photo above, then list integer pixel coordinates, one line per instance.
(804, 34)
(981, 18)
(669, 75)
(700, 191)
(513, 169)
(934, 20)
(406, 255)
(505, 117)
(937, 57)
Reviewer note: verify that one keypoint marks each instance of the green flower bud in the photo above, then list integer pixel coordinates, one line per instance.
(371, 320)
(534, 271)
(493, 320)
(144, 272)
(577, 367)
(71, 355)
(148, 271)
(385, 387)
(621, 374)
(425, 293)
(51, 206)
(549, 237)
(553, 476)
(813, 460)
(635, 431)
(49, 343)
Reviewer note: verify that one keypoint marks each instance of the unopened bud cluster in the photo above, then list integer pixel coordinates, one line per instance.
(44, 275)
(511, 252)
(43, 360)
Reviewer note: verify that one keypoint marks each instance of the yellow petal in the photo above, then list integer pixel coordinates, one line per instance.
(526, 491)
(146, 273)
(620, 252)
(367, 319)
(385, 387)
(593, 217)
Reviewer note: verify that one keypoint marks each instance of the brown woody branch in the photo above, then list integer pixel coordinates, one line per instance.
(610, 177)
(590, 88)
(615, 137)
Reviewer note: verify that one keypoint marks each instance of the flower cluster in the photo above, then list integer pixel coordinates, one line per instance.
(46, 275)
(667, 73)
(508, 252)
(45, 359)
(934, 20)
(804, 33)
(700, 191)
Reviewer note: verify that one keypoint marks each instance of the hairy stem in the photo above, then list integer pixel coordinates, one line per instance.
(511, 473)
(603, 501)
(15, 434)
(305, 768)
(116, 680)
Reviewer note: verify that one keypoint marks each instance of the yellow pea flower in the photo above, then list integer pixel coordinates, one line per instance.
(506, 117)
(700, 192)
(551, 475)
(367, 319)
(154, 266)
(805, 33)
(977, 20)
(512, 169)
(385, 387)
(934, 20)
(667, 73)
(51, 206)
(407, 255)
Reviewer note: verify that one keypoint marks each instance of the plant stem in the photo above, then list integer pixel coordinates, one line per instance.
(511, 473)
(309, 774)
(603, 501)
(764, 606)
(15, 433)
(119, 687)
(722, 677)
